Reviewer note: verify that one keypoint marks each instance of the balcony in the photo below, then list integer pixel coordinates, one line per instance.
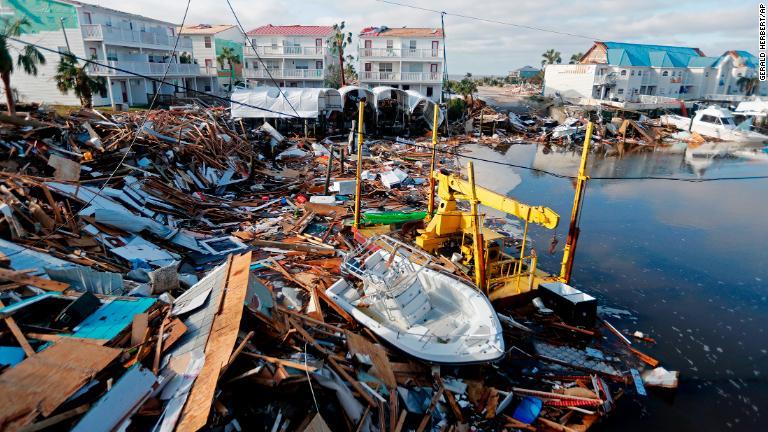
(285, 51)
(117, 36)
(143, 68)
(285, 73)
(402, 76)
(404, 53)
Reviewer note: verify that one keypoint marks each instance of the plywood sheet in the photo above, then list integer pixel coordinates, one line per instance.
(41, 383)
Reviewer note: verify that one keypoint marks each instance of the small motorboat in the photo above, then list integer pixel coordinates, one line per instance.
(392, 289)
(716, 122)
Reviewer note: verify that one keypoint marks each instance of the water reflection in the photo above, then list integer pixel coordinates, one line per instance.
(689, 260)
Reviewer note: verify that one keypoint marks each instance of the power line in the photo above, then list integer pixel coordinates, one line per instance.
(153, 79)
(133, 141)
(492, 21)
(249, 41)
(369, 135)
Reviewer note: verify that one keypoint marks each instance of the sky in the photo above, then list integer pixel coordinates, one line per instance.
(483, 48)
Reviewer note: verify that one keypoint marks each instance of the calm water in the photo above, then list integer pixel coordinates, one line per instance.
(688, 260)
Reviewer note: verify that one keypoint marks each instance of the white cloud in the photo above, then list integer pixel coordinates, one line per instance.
(486, 48)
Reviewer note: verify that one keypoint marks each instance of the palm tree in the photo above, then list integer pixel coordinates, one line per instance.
(337, 42)
(28, 58)
(229, 56)
(575, 58)
(551, 57)
(748, 85)
(466, 87)
(71, 76)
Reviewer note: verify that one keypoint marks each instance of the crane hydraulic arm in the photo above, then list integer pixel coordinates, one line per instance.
(448, 220)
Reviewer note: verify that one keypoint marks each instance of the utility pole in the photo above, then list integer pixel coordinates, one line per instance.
(61, 21)
(445, 59)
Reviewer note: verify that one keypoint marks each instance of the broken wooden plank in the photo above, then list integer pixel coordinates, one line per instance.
(219, 347)
(36, 281)
(18, 334)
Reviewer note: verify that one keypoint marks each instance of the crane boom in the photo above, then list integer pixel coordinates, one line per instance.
(540, 215)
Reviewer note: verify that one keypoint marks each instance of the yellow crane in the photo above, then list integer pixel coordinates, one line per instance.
(498, 274)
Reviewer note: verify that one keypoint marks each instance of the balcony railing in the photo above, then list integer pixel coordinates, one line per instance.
(425, 53)
(285, 73)
(402, 76)
(143, 68)
(288, 51)
(115, 35)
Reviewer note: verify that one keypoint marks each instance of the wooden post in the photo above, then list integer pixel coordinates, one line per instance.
(358, 171)
(432, 167)
(328, 171)
(477, 227)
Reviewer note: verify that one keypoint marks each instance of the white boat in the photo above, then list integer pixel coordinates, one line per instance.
(427, 314)
(715, 122)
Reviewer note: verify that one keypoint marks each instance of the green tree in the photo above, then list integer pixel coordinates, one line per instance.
(575, 58)
(333, 77)
(28, 57)
(748, 85)
(551, 57)
(71, 76)
(337, 43)
(466, 88)
(231, 58)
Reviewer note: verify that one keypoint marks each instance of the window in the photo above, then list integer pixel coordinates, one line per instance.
(665, 73)
(385, 67)
(367, 67)
(623, 72)
(621, 91)
(390, 44)
(706, 74)
(207, 41)
(207, 88)
(93, 53)
(406, 86)
(429, 92)
(412, 44)
(87, 17)
(709, 119)
(111, 55)
(318, 64)
(632, 73)
(639, 73)
(208, 63)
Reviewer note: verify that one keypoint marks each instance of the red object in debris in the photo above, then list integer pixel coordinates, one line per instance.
(265, 198)
(683, 109)
(301, 198)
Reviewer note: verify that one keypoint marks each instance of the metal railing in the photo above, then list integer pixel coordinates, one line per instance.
(402, 76)
(116, 35)
(401, 52)
(285, 73)
(143, 68)
(727, 97)
(280, 50)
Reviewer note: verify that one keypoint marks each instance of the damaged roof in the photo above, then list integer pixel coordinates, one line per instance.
(204, 29)
(402, 32)
(291, 30)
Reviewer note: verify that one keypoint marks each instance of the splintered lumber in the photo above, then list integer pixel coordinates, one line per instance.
(451, 400)
(40, 384)
(428, 415)
(221, 342)
(27, 279)
(17, 333)
(381, 367)
(303, 247)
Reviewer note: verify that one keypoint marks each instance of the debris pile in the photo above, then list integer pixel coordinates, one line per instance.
(170, 272)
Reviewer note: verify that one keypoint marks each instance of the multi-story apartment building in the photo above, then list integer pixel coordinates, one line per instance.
(295, 55)
(129, 42)
(207, 43)
(630, 72)
(404, 58)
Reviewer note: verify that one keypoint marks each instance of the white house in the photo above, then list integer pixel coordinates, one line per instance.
(405, 58)
(207, 43)
(295, 55)
(132, 43)
(632, 72)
